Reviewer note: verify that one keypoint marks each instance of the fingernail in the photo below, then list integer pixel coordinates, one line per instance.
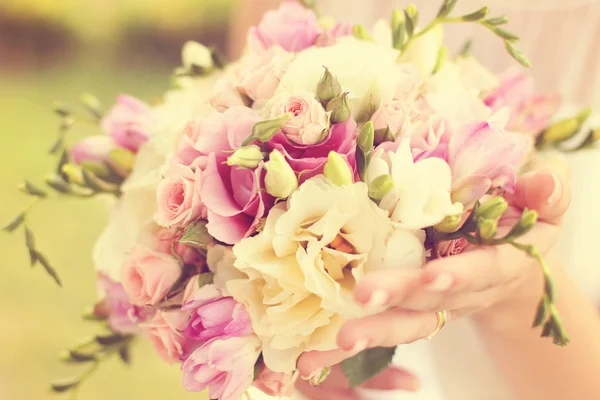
(557, 192)
(378, 298)
(441, 283)
(359, 346)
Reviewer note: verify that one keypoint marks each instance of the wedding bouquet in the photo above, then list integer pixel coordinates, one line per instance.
(253, 197)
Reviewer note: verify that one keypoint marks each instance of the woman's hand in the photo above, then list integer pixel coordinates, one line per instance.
(475, 280)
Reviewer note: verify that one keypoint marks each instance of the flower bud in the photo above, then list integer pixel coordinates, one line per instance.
(337, 170)
(339, 108)
(380, 186)
(477, 15)
(366, 137)
(565, 129)
(328, 87)
(360, 32)
(280, 179)
(196, 58)
(487, 228)
(320, 376)
(526, 222)
(265, 130)
(74, 173)
(246, 157)
(98, 169)
(93, 148)
(492, 209)
(450, 224)
(121, 161)
(383, 135)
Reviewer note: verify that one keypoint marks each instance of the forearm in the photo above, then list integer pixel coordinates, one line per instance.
(245, 14)
(533, 366)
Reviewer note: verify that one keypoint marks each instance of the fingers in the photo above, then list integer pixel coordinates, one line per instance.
(387, 329)
(544, 191)
(313, 361)
(387, 286)
(394, 378)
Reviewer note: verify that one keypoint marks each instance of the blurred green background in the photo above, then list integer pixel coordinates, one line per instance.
(59, 49)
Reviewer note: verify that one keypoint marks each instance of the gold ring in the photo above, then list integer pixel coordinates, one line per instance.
(441, 321)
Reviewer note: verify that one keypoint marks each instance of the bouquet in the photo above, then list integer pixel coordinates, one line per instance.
(247, 204)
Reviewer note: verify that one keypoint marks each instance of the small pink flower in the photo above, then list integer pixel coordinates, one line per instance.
(123, 317)
(225, 96)
(310, 159)
(178, 195)
(93, 148)
(451, 247)
(275, 383)
(309, 121)
(260, 74)
(147, 275)
(430, 139)
(164, 331)
(329, 37)
(127, 122)
(224, 366)
(215, 133)
(292, 27)
(215, 316)
(529, 113)
(391, 114)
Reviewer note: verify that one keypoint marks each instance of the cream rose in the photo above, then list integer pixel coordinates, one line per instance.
(301, 269)
(308, 117)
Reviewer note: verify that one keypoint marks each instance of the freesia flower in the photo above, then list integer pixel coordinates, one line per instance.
(309, 121)
(421, 194)
(128, 122)
(292, 26)
(147, 275)
(224, 366)
(93, 148)
(300, 270)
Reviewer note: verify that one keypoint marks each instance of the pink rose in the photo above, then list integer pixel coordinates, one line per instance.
(147, 275)
(123, 317)
(292, 27)
(529, 113)
(178, 196)
(93, 148)
(225, 96)
(391, 114)
(224, 366)
(310, 159)
(275, 383)
(127, 122)
(215, 133)
(451, 247)
(309, 121)
(260, 74)
(164, 331)
(163, 243)
(215, 316)
(482, 157)
(233, 199)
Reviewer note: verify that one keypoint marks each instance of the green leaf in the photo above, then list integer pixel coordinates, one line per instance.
(497, 20)
(196, 235)
(541, 314)
(205, 278)
(15, 223)
(49, 269)
(446, 8)
(109, 340)
(506, 35)
(367, 364)
(32, 190)
(125, 355)
(517, 54)
(64, 385)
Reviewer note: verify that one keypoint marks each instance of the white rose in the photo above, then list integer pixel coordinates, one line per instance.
(366, 70)
(301, 269)
(420, 197)
(196, 54)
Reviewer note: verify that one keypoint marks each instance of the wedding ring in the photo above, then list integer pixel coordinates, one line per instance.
(441, 321)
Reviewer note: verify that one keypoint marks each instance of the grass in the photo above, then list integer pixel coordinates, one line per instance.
(38, 319)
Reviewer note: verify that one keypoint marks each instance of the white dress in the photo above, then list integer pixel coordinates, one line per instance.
(562, 39)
